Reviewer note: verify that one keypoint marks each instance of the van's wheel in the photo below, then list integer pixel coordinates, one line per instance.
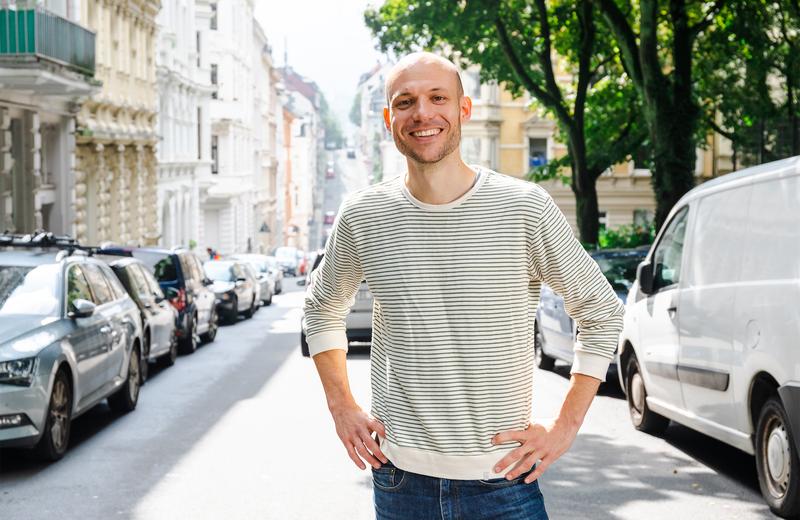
(543, 361)
(304, 345)
(125, 399)
(642, 417)
(777, 460)
(55, 439)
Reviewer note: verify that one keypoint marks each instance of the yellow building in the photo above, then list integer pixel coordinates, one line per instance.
(115, 171)
(625, 195)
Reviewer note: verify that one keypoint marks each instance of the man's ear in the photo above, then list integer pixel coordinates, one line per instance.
(466, 108)
(386, 119)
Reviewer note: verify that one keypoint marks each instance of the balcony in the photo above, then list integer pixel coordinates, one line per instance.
(45, 53)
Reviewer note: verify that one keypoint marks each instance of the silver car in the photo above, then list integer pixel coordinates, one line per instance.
(71, 337)
(262, 272)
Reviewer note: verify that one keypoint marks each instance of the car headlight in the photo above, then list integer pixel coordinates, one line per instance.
(18, 372)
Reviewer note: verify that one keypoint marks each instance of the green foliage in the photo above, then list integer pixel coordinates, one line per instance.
(192, 243)
(625, 236)
(355, 110)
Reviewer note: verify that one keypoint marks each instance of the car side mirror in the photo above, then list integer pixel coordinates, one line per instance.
(171, 293)
(301, 282)
(644, 273)
(208, 281)
(82, 308)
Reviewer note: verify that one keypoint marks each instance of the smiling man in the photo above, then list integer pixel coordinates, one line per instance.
(454, 256)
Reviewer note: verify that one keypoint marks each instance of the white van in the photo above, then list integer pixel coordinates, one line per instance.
(712, 325)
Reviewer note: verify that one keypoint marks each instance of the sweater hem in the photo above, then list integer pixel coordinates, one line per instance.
(438, 465)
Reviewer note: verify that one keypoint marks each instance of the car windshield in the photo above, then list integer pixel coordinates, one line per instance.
(620, 268)
(160, 264)
(219, 271)
(30, 290)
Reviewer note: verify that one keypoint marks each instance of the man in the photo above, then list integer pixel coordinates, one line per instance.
(455, 257)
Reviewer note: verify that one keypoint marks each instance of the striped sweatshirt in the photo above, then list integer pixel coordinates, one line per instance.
(455, 288)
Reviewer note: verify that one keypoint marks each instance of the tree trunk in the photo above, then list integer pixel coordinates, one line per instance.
(583, 187)
(674, 157)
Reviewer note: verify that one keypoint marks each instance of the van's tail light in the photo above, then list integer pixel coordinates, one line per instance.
(179, 302)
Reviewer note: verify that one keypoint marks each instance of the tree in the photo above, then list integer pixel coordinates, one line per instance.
(659, 59)
(514, 42)
(355, 110)
(749, 77)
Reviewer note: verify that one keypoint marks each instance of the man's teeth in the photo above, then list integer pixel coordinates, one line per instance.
(426, 133)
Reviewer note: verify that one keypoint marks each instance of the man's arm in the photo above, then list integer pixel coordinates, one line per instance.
(547, 442)
(353, 425)
(328, 299)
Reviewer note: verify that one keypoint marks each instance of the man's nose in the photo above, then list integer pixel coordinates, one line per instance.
(423, 110)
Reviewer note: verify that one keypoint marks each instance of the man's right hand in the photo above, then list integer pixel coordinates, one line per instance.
(355, 427)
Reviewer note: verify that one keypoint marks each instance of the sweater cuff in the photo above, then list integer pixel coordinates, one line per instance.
(328, 340)
(591, 365)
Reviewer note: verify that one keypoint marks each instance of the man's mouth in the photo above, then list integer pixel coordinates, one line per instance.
(426, 133)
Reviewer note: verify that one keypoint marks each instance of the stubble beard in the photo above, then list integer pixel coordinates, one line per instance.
(449, 145)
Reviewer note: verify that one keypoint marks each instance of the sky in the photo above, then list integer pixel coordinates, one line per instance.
(326, 41)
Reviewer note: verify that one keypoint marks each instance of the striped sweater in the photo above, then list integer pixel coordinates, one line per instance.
(456, 287)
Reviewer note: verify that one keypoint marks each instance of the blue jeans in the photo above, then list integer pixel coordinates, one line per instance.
(402, 495)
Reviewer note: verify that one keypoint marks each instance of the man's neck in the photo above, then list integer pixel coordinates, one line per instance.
(441, 182)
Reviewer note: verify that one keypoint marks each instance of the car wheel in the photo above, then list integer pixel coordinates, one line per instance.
(777, 460)
(543, 361)
(188, 344)
(642, 417)
(213, 326)
(268, 301)
(55, 439)
(304, 345)
(233, 314)
(125, 399)
(145, 365)
(172, 355)
(252, 309)
(278, 288)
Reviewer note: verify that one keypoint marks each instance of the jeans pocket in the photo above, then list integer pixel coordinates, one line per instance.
(388, 477)
(503, 482)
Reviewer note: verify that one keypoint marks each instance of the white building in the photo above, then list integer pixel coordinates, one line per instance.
(229, 195)
(184, 150)
(41, 89)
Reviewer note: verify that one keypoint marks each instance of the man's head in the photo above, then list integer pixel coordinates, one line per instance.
(426, 107)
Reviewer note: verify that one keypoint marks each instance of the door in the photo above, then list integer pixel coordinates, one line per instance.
(659, 339)
(106, 305)
(89, 338)
(162, 315)
(555, 325)
(706, 303)
(205, 298)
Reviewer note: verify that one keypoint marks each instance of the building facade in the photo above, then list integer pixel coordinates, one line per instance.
(116, 134)
(42, 89)
(184, 125)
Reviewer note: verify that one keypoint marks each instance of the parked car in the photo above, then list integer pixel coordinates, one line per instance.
(235, 291)
(710, 337)
(181, 270)
(259, 283)
(288, 260)
(330, 173)
(330, 216)
(276, 272)
(264, 274)
(302, 263)
(556, 333)
(351, 153)
(70, 338)
(358, 321)
(159, 318)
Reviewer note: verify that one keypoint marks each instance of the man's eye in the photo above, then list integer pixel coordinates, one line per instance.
(403, 102)
(439, 98)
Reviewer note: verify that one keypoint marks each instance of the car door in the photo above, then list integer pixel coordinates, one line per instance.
(148, 306)
(706, 304)
(206, 298)
(164, 314)
(555, 324)
(107, 305)
(89, 338)
(244, 292)
(658, 320)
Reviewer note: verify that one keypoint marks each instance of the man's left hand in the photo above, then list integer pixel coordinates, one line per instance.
(545, 442)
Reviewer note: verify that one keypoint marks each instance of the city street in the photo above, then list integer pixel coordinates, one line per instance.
(240, 430)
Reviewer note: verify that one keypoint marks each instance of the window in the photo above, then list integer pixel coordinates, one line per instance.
(213, 16)
(642, 217)
(197, 46)
(214, 95)
(214, 154)
(117, 290)
(199, 133)
(537, 152)
(100, 289)
(667, 257)
(472, 84)
(602, 219)
(138, 283)
(152, 283)
(77, 286)
(471, 150)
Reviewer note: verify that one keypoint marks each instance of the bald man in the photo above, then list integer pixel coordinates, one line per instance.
(455, 256)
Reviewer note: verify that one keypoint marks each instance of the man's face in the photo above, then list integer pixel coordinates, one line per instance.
(425, 112)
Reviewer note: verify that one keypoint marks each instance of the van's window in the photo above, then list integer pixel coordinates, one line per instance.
(772, 250)
(717, 235)
(667, 257)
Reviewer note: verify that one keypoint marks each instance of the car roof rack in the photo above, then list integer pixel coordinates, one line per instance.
(43, 240)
